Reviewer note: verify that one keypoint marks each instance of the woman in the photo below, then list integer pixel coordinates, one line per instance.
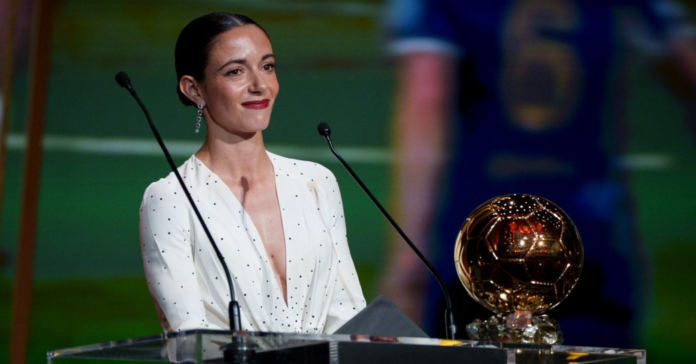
(277, 221)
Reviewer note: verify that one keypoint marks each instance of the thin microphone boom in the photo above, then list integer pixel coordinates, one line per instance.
(451, 328)
(235, 318)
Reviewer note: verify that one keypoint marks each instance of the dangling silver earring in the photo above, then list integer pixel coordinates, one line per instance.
(199, 117)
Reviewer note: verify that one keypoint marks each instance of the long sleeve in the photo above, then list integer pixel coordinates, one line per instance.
(347, 298)
(168, 260)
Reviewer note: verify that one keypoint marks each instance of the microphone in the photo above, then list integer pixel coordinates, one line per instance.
(125, 82)
(238, 351)
(235, 318)
(451, 329)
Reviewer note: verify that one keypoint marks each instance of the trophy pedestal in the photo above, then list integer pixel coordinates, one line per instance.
(520, 327)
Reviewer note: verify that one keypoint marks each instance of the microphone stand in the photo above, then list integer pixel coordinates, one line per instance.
(450, 327)
(238, 351)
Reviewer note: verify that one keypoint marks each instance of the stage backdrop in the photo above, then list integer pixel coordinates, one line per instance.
(100, 156)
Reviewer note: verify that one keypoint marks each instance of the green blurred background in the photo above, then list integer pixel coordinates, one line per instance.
(99, 156)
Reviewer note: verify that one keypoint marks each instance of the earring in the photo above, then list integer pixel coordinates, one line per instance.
(199, 118)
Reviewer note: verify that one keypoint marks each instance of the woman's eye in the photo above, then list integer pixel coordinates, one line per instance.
(234, 72)
(269, 66)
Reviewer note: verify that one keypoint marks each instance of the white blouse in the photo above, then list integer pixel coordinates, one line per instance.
(187, 282)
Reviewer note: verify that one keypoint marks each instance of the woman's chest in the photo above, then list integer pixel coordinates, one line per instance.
(258, 242)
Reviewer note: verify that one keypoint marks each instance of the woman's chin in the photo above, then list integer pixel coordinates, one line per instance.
(246, 131)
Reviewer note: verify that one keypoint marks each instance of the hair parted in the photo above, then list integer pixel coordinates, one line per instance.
(195, 42)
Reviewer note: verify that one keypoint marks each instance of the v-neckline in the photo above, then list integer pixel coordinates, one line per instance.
(247, 220)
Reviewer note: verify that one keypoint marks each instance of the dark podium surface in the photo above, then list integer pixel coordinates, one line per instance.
(205, 346)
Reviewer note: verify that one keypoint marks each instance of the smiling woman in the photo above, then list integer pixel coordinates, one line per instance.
(278, 222)
(239, 83)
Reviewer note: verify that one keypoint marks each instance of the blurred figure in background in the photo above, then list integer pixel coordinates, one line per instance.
(522, 96)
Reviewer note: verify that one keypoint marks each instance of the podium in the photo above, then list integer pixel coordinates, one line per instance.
(206, 346)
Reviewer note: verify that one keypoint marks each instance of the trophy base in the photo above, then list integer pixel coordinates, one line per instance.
(518, 327)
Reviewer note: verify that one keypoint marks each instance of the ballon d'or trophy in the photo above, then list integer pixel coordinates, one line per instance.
(518, 256)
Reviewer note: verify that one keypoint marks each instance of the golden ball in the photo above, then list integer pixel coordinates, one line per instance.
(518, 253)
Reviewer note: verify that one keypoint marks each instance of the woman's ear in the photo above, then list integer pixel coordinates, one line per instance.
(191, 89)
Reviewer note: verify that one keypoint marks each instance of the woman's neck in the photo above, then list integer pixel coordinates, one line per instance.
(236, 157)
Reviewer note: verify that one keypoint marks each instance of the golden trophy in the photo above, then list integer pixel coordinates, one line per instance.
(518, 256)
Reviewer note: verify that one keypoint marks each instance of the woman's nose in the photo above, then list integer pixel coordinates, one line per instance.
(257, 84)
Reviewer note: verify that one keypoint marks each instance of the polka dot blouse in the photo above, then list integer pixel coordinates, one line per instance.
(188, 284)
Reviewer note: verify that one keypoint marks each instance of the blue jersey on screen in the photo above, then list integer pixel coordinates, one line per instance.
(532, 100)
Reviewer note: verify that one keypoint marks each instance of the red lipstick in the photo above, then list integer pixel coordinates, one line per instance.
(258, 105)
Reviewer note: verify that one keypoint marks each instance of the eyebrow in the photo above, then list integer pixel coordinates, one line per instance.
(244, 61)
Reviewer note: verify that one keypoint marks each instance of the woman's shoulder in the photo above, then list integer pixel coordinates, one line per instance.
(301, 170)
(169, 185)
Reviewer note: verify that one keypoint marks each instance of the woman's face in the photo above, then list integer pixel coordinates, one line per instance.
(240, 81)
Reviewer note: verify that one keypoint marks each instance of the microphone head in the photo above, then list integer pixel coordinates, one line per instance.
(123, 79)
(324, 129)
